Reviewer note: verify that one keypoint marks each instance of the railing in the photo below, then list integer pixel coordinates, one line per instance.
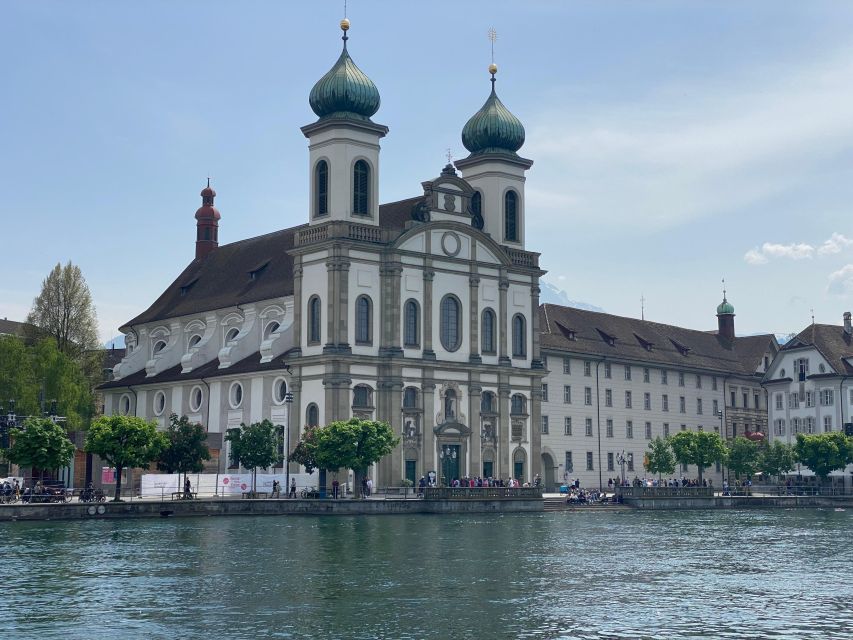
(794, 490)
(312, 234)
(665, 492)
(522, 258)
(365, 233)
(483, 493)
(339, 229)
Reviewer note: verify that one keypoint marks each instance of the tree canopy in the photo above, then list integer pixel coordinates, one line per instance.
(700, 448)
(659, 458)
(255, 445)
(742, 456)
(823, 453)
(776, 458)
(185, 448)
(124, 442)
(41, 444)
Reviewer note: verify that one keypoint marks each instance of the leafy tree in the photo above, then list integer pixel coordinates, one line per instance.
(124, 441)
(64, 310)
(17, 377)
(659, 458)
(63, 379)
(824, 452)
(701, 448)
(185, 449)
(776, 459)
(255, 445)
(305, 452)
(742, 457)
(353, 444)
(41, 444)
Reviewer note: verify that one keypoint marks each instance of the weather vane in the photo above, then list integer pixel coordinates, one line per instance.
(642, 307)
(345, 8)
(493, 35)
(449, 156)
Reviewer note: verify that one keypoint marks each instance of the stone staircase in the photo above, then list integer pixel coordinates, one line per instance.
(554, 504)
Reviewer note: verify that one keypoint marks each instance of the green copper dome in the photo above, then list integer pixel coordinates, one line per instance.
(344, 91)
(493, 128)
(725, 307)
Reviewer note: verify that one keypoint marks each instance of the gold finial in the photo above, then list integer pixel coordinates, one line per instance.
(493, 68)
(345, 24)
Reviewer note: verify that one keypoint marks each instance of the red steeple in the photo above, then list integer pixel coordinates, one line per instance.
(207, 223)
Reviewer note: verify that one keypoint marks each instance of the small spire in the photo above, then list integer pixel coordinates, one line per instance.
(642, 307)
(493, 68)
(345, 28)
(724, 290)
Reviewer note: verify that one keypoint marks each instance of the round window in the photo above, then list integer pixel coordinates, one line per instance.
(159, 403)
(279, 390)
(196, 397)
(124, 405)
(235, 395)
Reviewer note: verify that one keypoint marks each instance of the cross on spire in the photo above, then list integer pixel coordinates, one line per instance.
(449, 156)
(493, 35)
(724, 289)
(642, 307)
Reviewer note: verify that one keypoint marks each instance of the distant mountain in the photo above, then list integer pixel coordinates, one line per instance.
(552, 295)
(117, 342)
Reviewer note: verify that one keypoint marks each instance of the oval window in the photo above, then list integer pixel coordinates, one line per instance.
(279, 390)
(235, 395)
(196, 397)
(159, 403)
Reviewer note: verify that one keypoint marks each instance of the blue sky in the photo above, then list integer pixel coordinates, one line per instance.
(675, 143)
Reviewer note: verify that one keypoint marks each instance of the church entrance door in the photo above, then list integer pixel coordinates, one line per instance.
(449, 455)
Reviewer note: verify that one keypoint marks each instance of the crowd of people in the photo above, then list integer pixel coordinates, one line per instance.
(663, 482)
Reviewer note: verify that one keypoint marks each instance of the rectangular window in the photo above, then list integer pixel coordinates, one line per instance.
(627, 371)
(680, 379)
(664, 400)
(714, 383)
(570, 465)
(698, 381)
(647, 401)
(827, 423)
(629, 429)
(544, 393)
(589, 466)
(779, 426)
(567, 426)
(699, 406)
(610, 461)
(810, 424)
(607, 372)
(567, 394)
(588, 427)
(646, 374)
(682, 404)
(567, 366)
(609, 428)
(587, 368)
(648, 431)
(627, 399)
(700, 428)
(827, 397)
(608, 398)
(684, 427)
(544, 425)
(716, 407)
(778, 401)
(757, 400)
(795, 426)
(587, 396)
(630, 458)
(801, 367)
(794, 400)
(745, 400)
(809, 400)
(732, 399)
(663, 377)
(665, 429)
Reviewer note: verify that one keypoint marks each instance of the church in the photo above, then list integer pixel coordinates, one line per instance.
(423, 313)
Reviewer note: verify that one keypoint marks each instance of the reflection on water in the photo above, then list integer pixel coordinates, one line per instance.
(698, 574)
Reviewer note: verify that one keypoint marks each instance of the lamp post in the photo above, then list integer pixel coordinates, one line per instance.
(723, 434)
(288, 401)
(447, 454)
(621, 460)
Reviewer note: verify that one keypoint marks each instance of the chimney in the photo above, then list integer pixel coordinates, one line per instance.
(207, 223)
(848, 328)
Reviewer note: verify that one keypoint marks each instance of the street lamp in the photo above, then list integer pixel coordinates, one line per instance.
(621, 460)
(288, 401)
(447, 455)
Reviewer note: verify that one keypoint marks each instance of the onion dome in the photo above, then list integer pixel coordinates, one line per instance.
(725, 307)
(207, 210)
(493, 129)
(345, 90)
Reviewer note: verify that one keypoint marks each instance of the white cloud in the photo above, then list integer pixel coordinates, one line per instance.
(834, 245)
(841, 281)
(797, 250)
(754, 256)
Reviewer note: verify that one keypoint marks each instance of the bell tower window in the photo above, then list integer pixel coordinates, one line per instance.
(321, 182)
(511, 216)
(361, 188)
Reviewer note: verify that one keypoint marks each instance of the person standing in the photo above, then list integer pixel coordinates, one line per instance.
(293, 487)
(335, 486)
(188, 489)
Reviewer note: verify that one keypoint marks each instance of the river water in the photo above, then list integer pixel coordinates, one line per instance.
(594, 574)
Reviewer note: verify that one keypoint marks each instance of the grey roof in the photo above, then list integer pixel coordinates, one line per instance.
(11, 327)
(830, 340)
(621, 338)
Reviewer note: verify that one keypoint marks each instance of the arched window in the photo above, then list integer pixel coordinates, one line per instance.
(270, 329)
(232, 334)
(363, 320)
(194, 340)
(321, 180)
(451, 322)
(361, 188)
(487, 402)
(477, 203)
(314, 320)
(159, 346)
(312, 415)
(411, 333)
(361, 396)
(410, 398)
(511, 216)
(488, 331)
(518, 405)
(519, 336)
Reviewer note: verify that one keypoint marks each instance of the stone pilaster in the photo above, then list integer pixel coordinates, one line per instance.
(503, 286)
(474, 323)
(298, 311)
(429, 275)
(296, 416)
(504, 468)
(428, 393)
(474, 394)
(535, 355)
(534, 465)
(390, 277)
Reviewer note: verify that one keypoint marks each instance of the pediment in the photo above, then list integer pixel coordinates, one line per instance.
(452, 428)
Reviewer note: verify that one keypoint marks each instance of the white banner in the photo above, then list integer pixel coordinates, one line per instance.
(165, 484)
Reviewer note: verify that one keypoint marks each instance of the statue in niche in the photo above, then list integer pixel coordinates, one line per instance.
(488, 431)
(450, 405)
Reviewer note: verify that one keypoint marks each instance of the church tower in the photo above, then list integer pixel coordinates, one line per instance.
(493, 135)
(344, 144)
(726, 319)
(207, 224)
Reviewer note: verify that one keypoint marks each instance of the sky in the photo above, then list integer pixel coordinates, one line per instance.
(674, 143)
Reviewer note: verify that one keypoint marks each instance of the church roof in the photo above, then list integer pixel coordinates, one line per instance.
(619, 337)
(833, 343)
(230, 275)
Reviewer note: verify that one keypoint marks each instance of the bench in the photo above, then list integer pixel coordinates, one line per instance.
(256, 495)
(181, 495)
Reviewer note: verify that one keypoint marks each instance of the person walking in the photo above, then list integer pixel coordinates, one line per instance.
(293, 488)
(188, 489)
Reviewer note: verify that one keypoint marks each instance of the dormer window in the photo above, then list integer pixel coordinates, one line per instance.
(193, 341)
(648, 346)
(185, 288)
(255, 273)
(271, 328)
(232, 334)
(611, 340)
(682, 349)
(159, 346)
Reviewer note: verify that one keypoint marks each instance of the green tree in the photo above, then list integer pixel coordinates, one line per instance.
(255, 445)
(659, 458)
(17, 377)
(776, 459)
(824, 452)
(41, 444)
(62, 379)
(742, 456)
(185, 448)
(64, 310)
(353, 444)
(701, 448)
(305, 451)
(124, 442)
